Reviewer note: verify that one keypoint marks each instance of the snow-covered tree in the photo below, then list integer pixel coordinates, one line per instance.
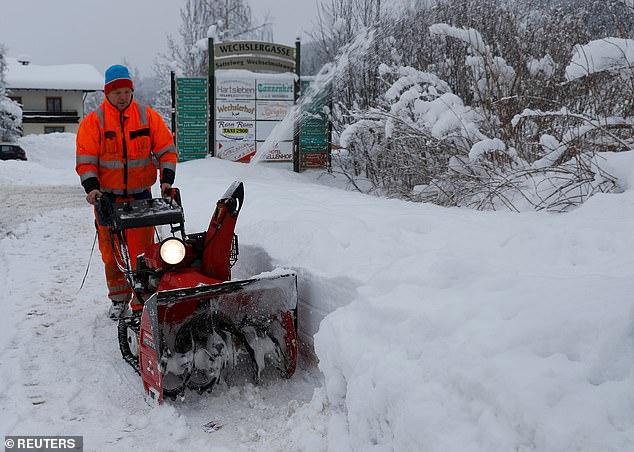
(187, 55)
(93, 101)
(10, 111)
(200, 19)
(339, 23)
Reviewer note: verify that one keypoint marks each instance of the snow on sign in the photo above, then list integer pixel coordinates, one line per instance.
(238, 109)
(235, 151)
(272, 110)
(235, 89)
(275, 89)
(235, 130)
(264, 129)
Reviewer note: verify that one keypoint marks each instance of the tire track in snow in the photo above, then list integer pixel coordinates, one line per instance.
(21, 203)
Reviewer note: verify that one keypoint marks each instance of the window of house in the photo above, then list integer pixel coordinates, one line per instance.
(54, 104)
(54, 129)
(16, 99)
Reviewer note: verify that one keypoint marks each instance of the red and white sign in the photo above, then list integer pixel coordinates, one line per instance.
(235, 151)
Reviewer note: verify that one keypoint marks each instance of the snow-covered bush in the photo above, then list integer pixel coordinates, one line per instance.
(557, 165)
(10, 119)
(408, 138)
(469, 140)
(10, 111)
(493, 78)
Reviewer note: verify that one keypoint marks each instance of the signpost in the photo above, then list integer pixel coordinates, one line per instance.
(192, 110)
(247, 104)
(231, 114)
(315, 131)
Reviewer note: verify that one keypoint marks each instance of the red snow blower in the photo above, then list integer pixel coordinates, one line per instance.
(189, 326)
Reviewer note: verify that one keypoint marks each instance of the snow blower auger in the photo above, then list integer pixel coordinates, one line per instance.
(189, 326)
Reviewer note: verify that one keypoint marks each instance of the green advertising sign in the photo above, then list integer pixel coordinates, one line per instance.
(314, 134)
(192, 120)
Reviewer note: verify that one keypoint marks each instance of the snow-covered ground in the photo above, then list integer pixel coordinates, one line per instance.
(436, 329)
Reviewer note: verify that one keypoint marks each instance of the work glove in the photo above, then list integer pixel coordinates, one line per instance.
(92, 196)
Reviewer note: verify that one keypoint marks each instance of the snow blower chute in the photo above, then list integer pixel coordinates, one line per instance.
(188, 325)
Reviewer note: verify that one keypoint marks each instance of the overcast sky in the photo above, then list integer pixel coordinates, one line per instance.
(103, 32)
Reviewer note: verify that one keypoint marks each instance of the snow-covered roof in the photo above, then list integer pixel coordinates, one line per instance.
(83, 77)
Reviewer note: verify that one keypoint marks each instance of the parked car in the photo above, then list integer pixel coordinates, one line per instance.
(10, 151)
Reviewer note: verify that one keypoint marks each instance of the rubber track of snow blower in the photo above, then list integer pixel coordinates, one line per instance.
(122, 333)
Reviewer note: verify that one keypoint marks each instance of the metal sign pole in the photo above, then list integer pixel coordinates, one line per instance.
(173, 94)
(211, 74)
(296, 151)
(329, 119)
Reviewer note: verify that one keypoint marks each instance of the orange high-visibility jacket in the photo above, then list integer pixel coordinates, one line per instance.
(119, 152)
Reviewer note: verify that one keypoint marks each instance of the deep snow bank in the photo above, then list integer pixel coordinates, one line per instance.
(51, 160)
(446, 329)
(465, 330)
(491, 331)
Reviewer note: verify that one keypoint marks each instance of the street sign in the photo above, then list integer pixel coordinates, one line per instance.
(192, 120)
(254, 56)
(225, 49)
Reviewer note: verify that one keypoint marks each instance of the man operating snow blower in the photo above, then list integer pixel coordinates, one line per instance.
(118, 148)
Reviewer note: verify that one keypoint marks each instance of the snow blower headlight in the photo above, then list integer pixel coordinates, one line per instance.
(172, 251)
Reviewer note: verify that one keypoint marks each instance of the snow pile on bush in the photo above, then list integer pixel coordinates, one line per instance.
(600, 55)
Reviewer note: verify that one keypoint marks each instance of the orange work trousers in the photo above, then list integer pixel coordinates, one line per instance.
(138, 240)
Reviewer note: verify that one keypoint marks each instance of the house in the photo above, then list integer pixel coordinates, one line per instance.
(52, 97)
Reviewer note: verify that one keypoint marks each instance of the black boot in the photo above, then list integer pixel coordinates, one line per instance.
(117, 310)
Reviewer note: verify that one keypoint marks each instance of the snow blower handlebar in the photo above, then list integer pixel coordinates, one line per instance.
(103, 210)
(120, 216)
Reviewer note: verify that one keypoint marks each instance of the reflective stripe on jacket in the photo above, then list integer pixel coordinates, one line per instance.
(123, 149)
